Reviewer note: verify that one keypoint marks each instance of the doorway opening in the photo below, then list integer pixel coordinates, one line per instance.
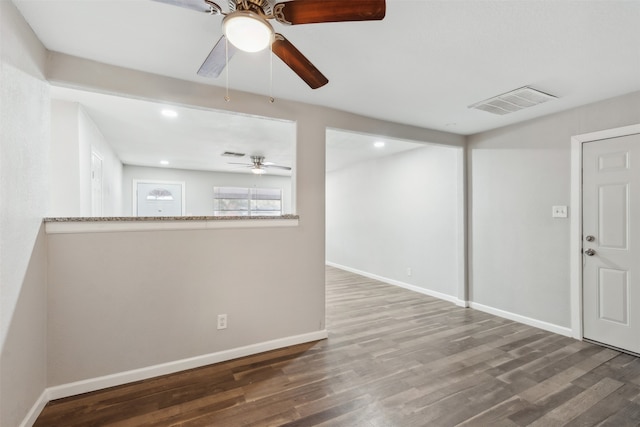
(395, 212)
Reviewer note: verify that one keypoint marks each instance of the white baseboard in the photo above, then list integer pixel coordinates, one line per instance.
(408, 286)
(561, 330)
(36, 409)
(93, 384)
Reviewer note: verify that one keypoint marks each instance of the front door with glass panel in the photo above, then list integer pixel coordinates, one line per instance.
(159, 198)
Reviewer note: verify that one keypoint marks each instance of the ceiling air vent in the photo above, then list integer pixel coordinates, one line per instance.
(513, 101)
(232, 154)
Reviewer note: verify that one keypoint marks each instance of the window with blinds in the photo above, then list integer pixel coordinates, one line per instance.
(239, 201)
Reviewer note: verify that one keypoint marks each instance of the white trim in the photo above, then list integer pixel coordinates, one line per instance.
(96, 153)
(408, 286)
(523, 319)
(134, 193)
(132, 224)
(93, 384)
(575, 245)
(36, 410)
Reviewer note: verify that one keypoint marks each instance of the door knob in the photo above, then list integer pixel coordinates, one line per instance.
(589, 238)
(590, 252)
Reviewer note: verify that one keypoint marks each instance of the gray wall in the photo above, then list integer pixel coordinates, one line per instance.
(130, 300)
(24, 147)
(398, 212)
(158, 292)
(519, 254)
(199, 186)
(290, 263)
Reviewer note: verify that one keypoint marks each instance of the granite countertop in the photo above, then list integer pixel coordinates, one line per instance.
(166, 218)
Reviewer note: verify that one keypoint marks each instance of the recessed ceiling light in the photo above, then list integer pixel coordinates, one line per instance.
(169, 113)
(378, 144)
(164, 162)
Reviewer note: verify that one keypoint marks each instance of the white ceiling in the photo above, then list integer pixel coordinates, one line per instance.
(347, 148)
(423, 65)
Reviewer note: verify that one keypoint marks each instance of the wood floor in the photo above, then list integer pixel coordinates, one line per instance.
(394, 358)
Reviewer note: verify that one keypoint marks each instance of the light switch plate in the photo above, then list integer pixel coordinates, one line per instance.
(559, 212)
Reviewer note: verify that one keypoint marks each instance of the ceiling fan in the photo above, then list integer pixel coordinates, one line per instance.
(259, 166)
(246, 27)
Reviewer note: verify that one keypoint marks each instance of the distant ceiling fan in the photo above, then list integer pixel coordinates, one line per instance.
(259, 166)
(246, 27)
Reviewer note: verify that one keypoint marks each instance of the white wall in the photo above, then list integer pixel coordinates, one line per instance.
(24, 146)
(519, 254)
(397, 212)
(199, 186)
(92, 140)
(64, 158)
(74, 136)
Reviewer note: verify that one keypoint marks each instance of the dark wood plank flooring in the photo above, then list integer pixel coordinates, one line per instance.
(393, 358)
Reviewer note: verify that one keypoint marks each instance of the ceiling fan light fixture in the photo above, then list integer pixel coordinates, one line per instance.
(258, 170)
(247, 31)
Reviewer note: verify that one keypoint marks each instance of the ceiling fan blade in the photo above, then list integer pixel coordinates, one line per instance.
(217, 58)
(287, 168)
(298, 62)
(316, 11)
(197, 5)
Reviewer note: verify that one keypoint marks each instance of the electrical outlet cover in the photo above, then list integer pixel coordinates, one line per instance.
(222, 321)
(559, 211)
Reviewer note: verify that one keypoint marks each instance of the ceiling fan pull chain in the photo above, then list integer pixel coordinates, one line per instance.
(226, 55)
(271, 98)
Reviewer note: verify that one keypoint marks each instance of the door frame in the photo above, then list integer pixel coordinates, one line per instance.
(96, 154)
(575, 244)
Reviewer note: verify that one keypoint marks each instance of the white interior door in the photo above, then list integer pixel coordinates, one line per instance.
(611, 235)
